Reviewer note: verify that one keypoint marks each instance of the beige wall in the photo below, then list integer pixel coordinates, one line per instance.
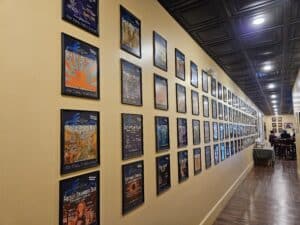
(30, 119)
(288, 118)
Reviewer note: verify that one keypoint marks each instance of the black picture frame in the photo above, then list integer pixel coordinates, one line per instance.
(223, 151)
(132, 136)
(220, 110)
(225, 112)
(227, 150)
(196, 132)
(160, 46)
(179, 64)
(162, 133)
(214, 109)
(163, 174)
(206, 132)
(224, 94)
(213, 87)
(183, 166)
(220, 91)
(232, 151)
(215, 131)
(205, 105)
(161, 95)
(132, 181)
(207, 150)
(131, 84)
(197, 160)
(182, 133)
(79, 80)
(180, 98)
(195, 103)
(204, 81)
(78, 190)
(222, 131)
(131, 26)
(194, 74)
(79, 126)
(216, 154)
(229, 97)
(72, 13)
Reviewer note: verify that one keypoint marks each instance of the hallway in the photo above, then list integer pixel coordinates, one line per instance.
(267, 197)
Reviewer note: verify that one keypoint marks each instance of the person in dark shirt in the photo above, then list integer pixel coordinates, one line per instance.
(285, 135)
(272, 138)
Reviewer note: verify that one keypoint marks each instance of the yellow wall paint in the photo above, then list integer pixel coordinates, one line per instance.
(30, 127)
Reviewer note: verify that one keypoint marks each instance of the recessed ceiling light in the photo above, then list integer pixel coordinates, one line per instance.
(258, 21)
(274, 101)
(271, 86)
(267, 67)
(273, 96)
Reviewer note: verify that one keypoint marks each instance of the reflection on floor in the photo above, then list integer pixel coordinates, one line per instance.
(267, 197)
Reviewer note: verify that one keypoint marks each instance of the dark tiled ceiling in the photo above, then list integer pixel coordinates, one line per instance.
(224, 28)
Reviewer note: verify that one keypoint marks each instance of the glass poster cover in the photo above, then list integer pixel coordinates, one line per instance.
(182, 132)
(160, 52)
(161, 92)
(215, 131)
(232, 148)
(230, 131)
(230, 114)
(196, 132)
(205, 106)
(207, 157)
(197, 161)
(82, 13)
(220, 108)
(219, 91)
(132, 136)
(214, 109)
(213, 87)
(131, 76)
(206, 132)
(133, 185)
(80, 68)
(163, 174)
(195, 103)
(194, 74)
(222, 132)
(130, 33)
(229, 97)
(226, 130)
(227, 150)
(183, 166)
(204, 81)
(223, 153)
(179, 64)
(79, 140)
(79, 200)
(216, 154)
(162, 133)
(224, 94)
(180, 98)
(225, 112)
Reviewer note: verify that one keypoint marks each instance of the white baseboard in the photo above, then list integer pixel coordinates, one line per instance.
(212, 215)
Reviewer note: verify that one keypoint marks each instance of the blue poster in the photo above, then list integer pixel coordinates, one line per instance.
(183, 166)
(163, 173)
(162, 133)
(223, 154)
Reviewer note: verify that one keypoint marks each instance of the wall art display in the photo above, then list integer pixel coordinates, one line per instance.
(227, 150)
(79, 140)
(280, 130)
(82, 13)
(80, 68)
(288, 125)
(182, 132)
(226, 131)
(132, 136)
(230, 114)
(229, 97)
(222, 132)
(232, 151)
(133, 186)
(273, 124)
(130, 33)
(206, 132)
(223, 153)
(279, 125)
(197, 161)
(183, 166)
(195, 102)
(273, 119)
(236, 146)
(230, 130)
(161, 93)
(163, 174)
(225, 112)
(204, 81)
(160, 52)
(220, 109)
(131, 76)
(180, 98)
(224, 94)
(162, 133)
(216, 154)
(213, 87)
(179, 64)
(219, 91)
(79, 200)
(205, 106)
(274, 130)
(194, 74)
(215, 131)
(196, 132)
(214, 109)
(279, 119)
(207, 157)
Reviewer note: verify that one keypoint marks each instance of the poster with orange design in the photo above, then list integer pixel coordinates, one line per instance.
(80, 68)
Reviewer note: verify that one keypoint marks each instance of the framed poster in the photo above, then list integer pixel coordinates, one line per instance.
(219, 91)
(179, 64)
(205, 102)
(287, 125)
(279, 119)
(160, 52)
(220, 109)
(80, 68)
(132, 186)
(223, 153)
(132, 136)
(79, 199)
(82, 13)
(206, 132)
(131, 84)
(215, 131)
(274, 130)
(182, 132)
(130, 29)
(161, 93)
(225, 112)
(273, 124)
(197, 161)
(229, 97)
(213, 87)
(273, 119)
(79, 140)
(180, 98)
(183, 166)
(162, 133)
(230, 130)
(230, 114)
(204, 81)
(226, 131)
(207, 157)
(195, 102)
(227, 150)
(163, 174)
(222, 133)
(196, 132)
(214, 109)
(194, 74)
(216, 154)
(280, 130)
(232, 148)
(224, 94)
(280, 125)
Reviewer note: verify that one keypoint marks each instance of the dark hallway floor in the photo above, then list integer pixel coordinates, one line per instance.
(267, 197)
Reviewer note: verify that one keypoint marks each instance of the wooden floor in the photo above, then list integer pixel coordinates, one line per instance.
(267, 197)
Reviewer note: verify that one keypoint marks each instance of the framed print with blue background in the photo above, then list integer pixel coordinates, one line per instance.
(161, 93)
(163, 173)
(207, 157)
(160, 57)
(162, 133)
(197, 160)
(194, 74)
(206, 132)
(195, 102)
(180, 98)
(182, 138)
(204, 81)
(183, 166)
(216, 154)
(196, 132)
(179, 64)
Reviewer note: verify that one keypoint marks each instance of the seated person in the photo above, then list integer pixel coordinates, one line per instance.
(272, 138)
(285, 135)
